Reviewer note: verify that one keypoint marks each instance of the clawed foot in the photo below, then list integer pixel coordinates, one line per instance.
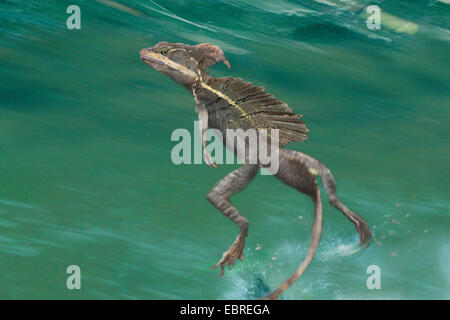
(234, 252)
(208, 160)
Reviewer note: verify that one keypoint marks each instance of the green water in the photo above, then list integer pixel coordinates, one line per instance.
(85, 171)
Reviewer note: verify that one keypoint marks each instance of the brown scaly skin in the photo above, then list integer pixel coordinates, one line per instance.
(186, 65)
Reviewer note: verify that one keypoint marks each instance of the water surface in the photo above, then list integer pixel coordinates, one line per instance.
(85, 170)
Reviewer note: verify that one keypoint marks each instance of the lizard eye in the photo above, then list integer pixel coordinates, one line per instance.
(164, 52)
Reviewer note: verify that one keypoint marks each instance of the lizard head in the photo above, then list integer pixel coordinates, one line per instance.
(181, 62)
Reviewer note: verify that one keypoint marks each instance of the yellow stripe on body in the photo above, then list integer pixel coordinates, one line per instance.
(221, 95)
(228, 99)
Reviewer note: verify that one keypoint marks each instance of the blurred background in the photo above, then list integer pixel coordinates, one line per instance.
(85, 171)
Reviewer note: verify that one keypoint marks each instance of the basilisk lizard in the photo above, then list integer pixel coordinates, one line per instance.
(232, 103)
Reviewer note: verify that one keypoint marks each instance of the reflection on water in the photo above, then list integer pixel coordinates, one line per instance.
(85, 170)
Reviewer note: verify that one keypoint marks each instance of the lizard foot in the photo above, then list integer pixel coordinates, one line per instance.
(208, 160)
(234, 252)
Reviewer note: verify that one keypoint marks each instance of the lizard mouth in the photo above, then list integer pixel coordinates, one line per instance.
(155, 59)
(162, 63)
(146, 57)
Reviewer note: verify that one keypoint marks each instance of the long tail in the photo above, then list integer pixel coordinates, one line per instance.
(314, 243)
(298, 170)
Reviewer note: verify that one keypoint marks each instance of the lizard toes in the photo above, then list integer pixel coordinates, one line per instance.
(208, 160)
(222, 268)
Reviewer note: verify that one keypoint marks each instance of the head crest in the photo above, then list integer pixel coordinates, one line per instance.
(211, 54)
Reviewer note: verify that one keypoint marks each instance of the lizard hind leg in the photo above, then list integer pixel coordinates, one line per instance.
(330, 186)
(296, 174)
(298, 170)
(219, 196)
(315, 167)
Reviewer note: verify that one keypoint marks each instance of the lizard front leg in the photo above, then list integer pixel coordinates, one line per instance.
(218, 196)
(203, 119)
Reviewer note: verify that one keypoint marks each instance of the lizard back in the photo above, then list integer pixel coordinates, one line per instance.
(233, 103)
